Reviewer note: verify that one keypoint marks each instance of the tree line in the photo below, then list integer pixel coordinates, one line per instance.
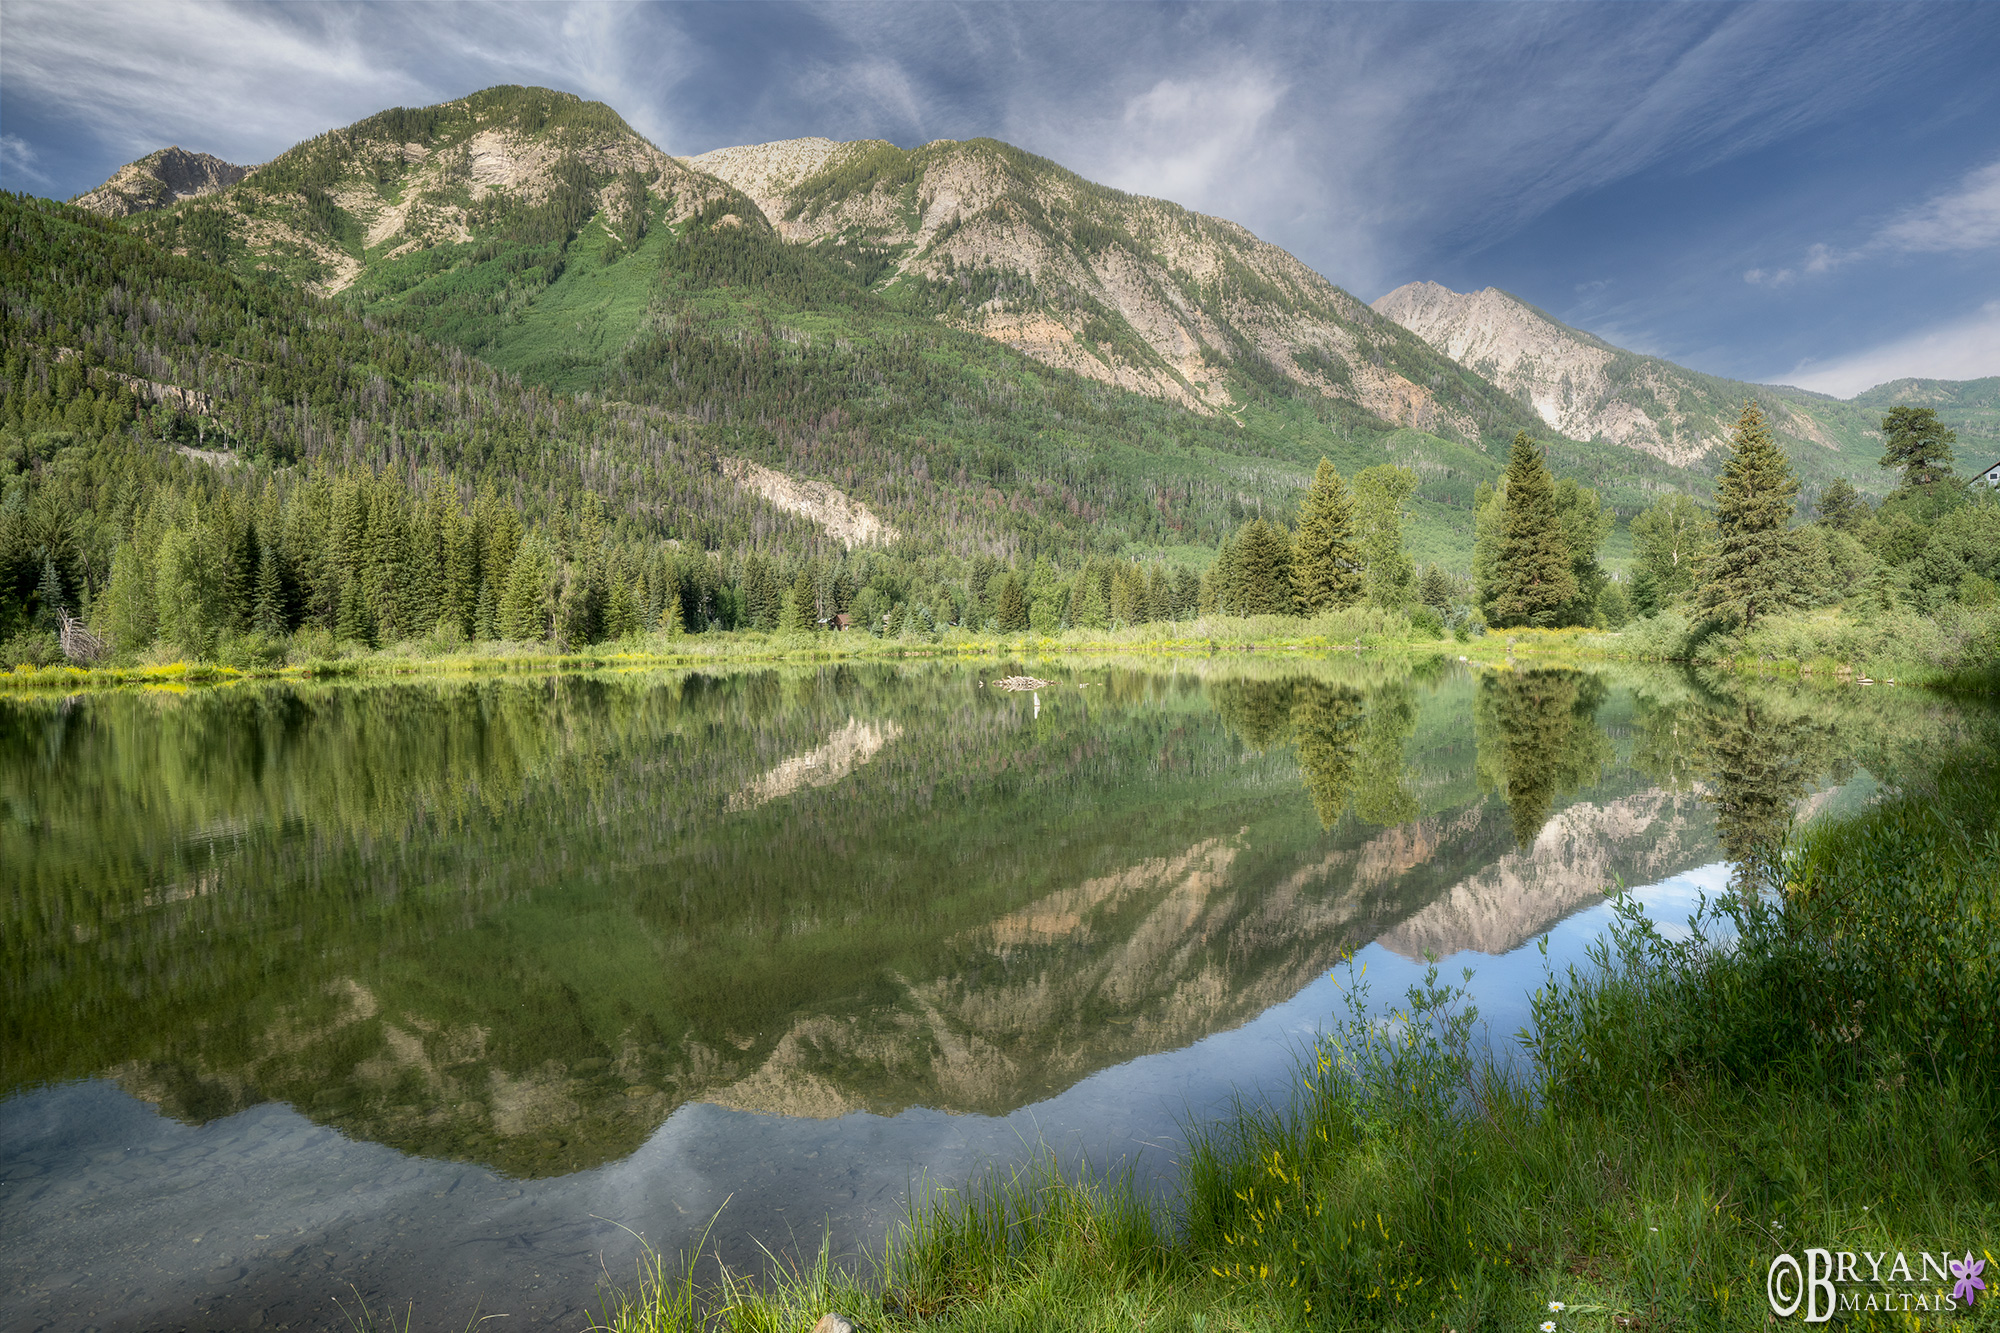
(1932, 545)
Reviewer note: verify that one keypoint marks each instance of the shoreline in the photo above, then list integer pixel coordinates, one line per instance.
(1208, 637)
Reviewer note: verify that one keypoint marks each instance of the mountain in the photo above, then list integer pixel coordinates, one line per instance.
(1131, 291)
(160, 180)
(985, 351)
(1590, 390)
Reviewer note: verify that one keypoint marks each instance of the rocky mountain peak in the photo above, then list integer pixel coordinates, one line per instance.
(1134, 292)
(1588, 389)
(159, 180)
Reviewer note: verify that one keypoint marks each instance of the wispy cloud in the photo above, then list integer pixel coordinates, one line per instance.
(1955, 222)
(17, 158)
(246, 81)
(1962, 349)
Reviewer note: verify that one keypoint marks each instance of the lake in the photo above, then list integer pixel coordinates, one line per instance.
(441, 994)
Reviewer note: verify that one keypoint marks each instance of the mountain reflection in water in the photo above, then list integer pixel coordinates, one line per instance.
(519, 923)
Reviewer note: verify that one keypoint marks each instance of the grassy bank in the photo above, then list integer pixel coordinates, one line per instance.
(1957, 645)
(1359, 628)
(1683, 1114)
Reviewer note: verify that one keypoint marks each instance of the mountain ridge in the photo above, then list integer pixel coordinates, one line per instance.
(1589, 388)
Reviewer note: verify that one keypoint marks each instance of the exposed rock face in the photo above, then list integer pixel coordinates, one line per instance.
(1130, 291)
(160, 179)
(1581, 385)
(843, 516)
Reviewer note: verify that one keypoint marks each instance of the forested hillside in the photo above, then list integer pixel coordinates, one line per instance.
(187, 454)
(203, 464)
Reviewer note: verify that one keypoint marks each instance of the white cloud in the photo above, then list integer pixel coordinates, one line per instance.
(1185, 137)
(18, 159)
(1964, 219)
(1964, 349)
(1758, 277)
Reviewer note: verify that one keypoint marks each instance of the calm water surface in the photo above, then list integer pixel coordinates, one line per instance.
(428, 993)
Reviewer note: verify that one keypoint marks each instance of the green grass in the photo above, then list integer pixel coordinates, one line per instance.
(1686, 1113)
(1959, 645)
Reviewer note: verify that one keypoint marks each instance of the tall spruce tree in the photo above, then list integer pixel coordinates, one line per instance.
(49, 599)
(1750, 575)
(1326, 563)
(1532, 574)
(1011, 606)
(1263, 574)
(268, 602)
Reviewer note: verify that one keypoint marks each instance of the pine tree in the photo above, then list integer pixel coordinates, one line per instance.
(528, 604)
(1087, 606)
(1840, 505)
(1531, 575)
(1263, 571)
(1919, 444)
(268, 602)
(793, 608)
(1326, 564)
(1011, 607)
(1750, 576)
(49, 599)
(1434, 589)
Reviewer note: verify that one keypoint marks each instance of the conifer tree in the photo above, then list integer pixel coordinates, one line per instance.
(1530, 577)
(48, 595)
(1087, 607)
(459, 581)
(1919, 444)
(1263, 573)
(528, 605)
(1326, 563)
(1750, 576)
(1011, 607)
(268, 609)
(792, 609)
(622, 617)
(1840, 506)
(1434, 589)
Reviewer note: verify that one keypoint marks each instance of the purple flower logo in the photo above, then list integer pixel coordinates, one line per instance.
(1967, 1272)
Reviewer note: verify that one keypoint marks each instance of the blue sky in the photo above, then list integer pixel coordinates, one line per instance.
(1801, 192)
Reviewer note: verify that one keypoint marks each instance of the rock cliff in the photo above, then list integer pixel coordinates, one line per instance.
(1587, 389)
(160, 180)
